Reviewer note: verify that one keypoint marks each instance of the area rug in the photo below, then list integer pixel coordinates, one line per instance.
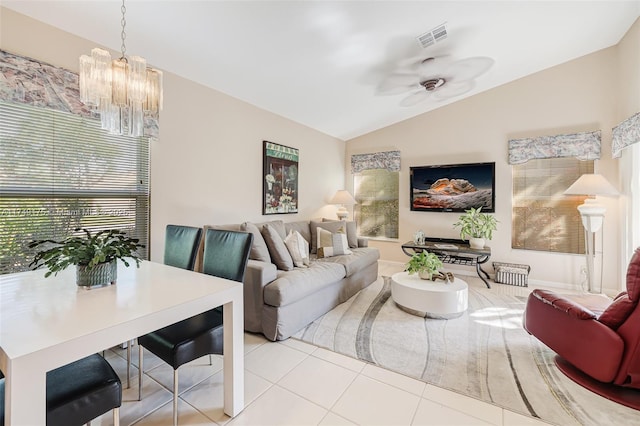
(485, 353)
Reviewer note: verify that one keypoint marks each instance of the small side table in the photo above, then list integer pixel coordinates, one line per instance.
(432, 299)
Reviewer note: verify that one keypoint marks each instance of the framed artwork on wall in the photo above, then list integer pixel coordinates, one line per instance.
(280, 179)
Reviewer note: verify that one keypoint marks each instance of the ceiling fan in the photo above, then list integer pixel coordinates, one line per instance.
(435, 77)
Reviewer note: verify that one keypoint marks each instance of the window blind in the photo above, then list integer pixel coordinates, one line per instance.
(376, 212)
(59, 172)
(543, 217)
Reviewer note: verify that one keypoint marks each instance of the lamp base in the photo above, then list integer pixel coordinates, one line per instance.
(342, 213)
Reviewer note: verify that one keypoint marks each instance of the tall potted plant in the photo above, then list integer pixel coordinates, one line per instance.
(94, 255)
(476, 226)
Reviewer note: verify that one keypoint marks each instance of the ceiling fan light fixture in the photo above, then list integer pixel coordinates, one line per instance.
(432, 84)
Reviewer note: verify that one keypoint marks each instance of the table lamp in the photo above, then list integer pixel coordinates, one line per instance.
(343, 198)
(592, 213)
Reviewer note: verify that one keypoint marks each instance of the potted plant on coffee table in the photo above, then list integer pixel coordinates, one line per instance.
(94, 255)
(424, 264)
(476, 226)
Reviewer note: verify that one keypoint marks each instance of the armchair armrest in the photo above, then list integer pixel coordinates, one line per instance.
(563, 304)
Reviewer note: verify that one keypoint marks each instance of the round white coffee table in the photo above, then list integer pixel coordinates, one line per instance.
(426, 298)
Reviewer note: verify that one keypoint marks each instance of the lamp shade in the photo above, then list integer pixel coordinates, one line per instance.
(343, 197)
(591, 184)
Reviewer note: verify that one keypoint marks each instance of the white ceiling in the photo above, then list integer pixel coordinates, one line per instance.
(319, 62)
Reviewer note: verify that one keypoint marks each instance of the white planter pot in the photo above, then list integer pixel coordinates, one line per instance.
(476, 243)
(425, 275)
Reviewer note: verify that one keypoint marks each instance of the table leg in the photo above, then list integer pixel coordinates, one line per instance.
(479, 270)
(233, 358)
(25, 395)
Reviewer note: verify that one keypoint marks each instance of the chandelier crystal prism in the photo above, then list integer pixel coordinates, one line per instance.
(120, 90)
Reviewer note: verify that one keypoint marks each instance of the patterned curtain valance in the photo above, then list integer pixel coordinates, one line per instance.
(583, 146)
(625, 134)
(388, 160)
(27, 81)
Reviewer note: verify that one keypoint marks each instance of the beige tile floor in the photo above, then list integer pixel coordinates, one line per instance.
(294, 383)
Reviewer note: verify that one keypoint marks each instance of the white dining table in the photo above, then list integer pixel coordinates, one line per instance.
(46, 323)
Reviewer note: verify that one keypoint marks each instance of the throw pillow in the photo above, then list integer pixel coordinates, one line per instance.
(352, 232)
(279, 254)
(298, 248)
(332, 227)
(332, 244)
(259, 250)
(278, 225)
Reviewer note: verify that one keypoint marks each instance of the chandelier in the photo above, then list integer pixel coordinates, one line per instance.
(122, 90)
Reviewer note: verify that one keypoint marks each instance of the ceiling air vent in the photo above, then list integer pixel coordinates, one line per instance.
(437, 34)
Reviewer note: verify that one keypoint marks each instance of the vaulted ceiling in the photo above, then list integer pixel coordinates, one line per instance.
(324, 63)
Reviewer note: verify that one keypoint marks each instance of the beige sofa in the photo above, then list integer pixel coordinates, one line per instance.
(279, 303)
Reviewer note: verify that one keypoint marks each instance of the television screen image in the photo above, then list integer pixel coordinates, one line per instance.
(453, 188)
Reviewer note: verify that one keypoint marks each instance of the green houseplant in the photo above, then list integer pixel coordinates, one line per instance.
(476, 226)
(424, 264)
(95, 255)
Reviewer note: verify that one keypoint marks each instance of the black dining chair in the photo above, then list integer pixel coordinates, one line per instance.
(225, 255)
(181, 244)
(79, 392)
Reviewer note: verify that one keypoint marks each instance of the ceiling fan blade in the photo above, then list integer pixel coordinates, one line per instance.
(414, 98)
(451, 90)
(397, 83)
(468, 68)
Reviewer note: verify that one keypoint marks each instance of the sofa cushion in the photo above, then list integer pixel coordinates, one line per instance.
(352, 232)
(332, 244)
(277, 249)
(358, 260)
(259, 250)
(329, 226)
(278, 225)
(302, 226)
(227, 227)
(294, 285)
(298, 248)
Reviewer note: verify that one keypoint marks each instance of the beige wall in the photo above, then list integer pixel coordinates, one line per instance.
(576, 96)
(206, 167)
(628, 80)
(628, 76)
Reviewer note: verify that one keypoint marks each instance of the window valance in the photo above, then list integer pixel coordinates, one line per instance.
(387, 160)
(625, 134)
(583, 146)
(27, 81)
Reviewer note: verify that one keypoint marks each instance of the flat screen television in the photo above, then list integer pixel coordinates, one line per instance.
(453, 188)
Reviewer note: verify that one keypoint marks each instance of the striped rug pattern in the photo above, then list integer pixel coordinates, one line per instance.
(485, 353)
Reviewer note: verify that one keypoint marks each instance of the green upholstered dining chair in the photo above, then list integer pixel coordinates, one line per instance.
(181, 244)
(79, 392)
(225, 255)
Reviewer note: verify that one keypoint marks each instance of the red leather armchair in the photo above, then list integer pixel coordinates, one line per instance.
(597, 341)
